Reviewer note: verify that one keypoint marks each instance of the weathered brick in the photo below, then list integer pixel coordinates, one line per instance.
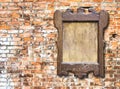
(29, 0)
(27, 39)
(4, 27)
(15, 0)
(39, 39)
(14, 39)
(4, 43)
(4, 51)
(36, 22)
(28, 45)
(14, 47)
(117, 84)
(97, 0)
(39, 5)
(3, 39)
(27, 27)
(26, 87)
(63, 3)
(3, 83)
(10, 55)
(5, 0)
(15, 15)
(41, 87)
(109, 0)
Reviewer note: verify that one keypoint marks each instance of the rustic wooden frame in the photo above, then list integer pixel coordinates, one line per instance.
(81, 70)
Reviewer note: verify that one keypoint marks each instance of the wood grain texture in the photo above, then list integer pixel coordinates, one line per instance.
(103, 24)
(80, 42)
(58, 25)
(80, 70)
(79, 16)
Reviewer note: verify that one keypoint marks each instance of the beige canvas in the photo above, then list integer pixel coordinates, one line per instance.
(80, 43)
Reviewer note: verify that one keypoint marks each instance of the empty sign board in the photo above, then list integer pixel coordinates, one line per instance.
(80, 41)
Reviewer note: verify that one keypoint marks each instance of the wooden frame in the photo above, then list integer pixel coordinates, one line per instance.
(81, 70)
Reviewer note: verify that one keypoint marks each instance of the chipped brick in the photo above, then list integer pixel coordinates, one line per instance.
(28, 48)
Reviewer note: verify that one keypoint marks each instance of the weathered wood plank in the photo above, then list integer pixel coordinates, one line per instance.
(58, 25)
(80, 43)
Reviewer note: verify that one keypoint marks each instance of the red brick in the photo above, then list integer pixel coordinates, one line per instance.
(4, 27)
(37, 23)
(114, 44)
(49, 0)
(76, 0)
(51, 35)
(117, 84)
(36, 63)
(27, 23)
(13, 8)
(39, 39)
(97, 81)
(62, 87)
(65, 3)
(39, 5)
(35, 16)
(29, 0)
(36, 71)
(15, 0)
(26, 87)
(109, 0)
(14, 23)
(42, 87)
(97, 0)
(27, 39)
(15, 15)
(5, 0)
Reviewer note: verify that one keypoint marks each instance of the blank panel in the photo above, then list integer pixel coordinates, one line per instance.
(80, 42)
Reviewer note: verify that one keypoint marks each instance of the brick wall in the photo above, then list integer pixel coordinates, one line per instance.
(28, 45)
